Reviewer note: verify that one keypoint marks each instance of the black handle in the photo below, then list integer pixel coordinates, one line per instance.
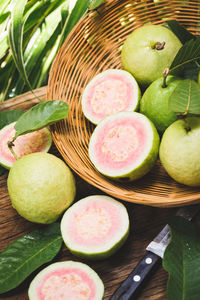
(136, 277)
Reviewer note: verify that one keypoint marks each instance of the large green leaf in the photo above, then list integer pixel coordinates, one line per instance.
(181, 32)
(9, 116)
(188, 53)
(28, 253)
(41, 115)
(182, 261)
(96, 3)
(185, 98)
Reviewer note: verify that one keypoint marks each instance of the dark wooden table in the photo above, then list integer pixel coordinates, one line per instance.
(145, 222)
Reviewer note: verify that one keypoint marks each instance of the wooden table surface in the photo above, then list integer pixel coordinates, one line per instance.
(145, 223)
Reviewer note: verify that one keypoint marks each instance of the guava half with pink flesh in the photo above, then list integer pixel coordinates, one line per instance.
(109, 92)
(95, 227)
(124, 146)
(66, 280)
(37, 141)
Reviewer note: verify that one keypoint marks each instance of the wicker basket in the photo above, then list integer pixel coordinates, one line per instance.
(94, 46)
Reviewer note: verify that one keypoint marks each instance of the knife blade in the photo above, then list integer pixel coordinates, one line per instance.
(154, 254)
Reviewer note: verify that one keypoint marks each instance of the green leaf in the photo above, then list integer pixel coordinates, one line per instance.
(188, 53)
(181, 32)
(185, 98)
(9, 116)
(28, 253)
(41, 115)
(16, 38)
(96, 3)
(182, 261)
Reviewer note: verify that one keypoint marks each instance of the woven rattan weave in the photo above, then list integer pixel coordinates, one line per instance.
(93, 46)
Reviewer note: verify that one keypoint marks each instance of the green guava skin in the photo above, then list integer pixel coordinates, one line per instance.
(154, 102)
(140, 57)
(41, 187)
(179, 151)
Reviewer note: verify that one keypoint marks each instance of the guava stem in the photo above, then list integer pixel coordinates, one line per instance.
(10, 146)
(165, 74)
(160, 46)
(184, 118)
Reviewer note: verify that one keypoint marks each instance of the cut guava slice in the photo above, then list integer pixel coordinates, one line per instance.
(109, 92)
(124, 146)
(37, 141)
(66, 280)
(95, 227)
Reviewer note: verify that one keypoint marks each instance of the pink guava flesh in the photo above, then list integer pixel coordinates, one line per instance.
(25, 144)
(94, 223)
(120, 143)
(109, 92)
(70, 283)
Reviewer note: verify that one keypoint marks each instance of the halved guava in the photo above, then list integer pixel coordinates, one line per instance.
(37, 141)
(109, 92)
(124, 146)
(95, 227)
(66, 280)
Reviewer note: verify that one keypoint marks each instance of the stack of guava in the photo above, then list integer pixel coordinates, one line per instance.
(125, 144)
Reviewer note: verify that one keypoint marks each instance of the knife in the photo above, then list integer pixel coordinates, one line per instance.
(154, 254)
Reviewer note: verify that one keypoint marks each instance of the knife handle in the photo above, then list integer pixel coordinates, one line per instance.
(136, 277)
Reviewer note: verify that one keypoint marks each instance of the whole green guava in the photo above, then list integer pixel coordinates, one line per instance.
(41, 187)
(154, 102)
(147, 51)
(179, 151)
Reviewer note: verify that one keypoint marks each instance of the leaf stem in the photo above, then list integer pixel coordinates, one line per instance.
(165, 74)
(10, 146)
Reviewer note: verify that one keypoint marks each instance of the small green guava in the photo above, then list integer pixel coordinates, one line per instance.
(41, 187)
(147, 51)
(179, 151)
(154, 102)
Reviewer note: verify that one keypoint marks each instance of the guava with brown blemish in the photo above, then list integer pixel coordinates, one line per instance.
(37, 141)
(95, 227)
(124, 146)
(109, 92)
(66, 280)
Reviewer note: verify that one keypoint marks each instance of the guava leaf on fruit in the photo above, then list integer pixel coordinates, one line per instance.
(182, 261)
(188, 53)
(9, 116)
(186, 97)
(27, 253)
(41, 115)
(181, 32)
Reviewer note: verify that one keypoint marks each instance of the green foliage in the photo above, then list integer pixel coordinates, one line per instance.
(41, 115)
(182, 261)
(36, 31)
(186, 98)
(28, 253)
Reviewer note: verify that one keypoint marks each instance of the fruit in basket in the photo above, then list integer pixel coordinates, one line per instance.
(154, 102)
(66, 280)
(124, 146)
(37, 141)
(41, 187)
(95, 227)
(147, 51)
(179, 151)
(109, 92)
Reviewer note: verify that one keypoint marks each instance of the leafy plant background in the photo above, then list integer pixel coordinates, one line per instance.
(34, 30)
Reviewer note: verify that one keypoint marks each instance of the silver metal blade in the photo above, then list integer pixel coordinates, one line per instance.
(159, 244)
